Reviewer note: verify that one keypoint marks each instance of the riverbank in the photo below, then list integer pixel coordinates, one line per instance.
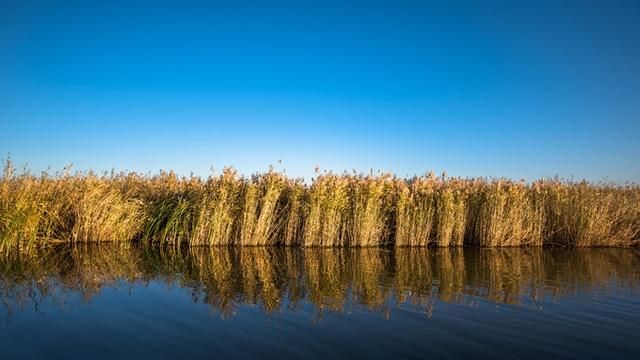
(334, 210)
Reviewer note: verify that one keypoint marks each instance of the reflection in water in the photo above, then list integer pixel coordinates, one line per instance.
(330, 279)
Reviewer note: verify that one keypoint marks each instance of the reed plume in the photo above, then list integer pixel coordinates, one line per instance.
(351, 210)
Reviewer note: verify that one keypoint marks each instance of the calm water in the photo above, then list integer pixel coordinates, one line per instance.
(125, 302)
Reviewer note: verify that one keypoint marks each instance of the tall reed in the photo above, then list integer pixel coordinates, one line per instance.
(430, 211)
(583, 214)
(104, 212)
(415, 211)
(327, 211)
(333, 210)
(504, 213)
(368, 210)
(263, 212)
(219, 208)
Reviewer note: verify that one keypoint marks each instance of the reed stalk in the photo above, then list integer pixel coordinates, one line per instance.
(334, 210)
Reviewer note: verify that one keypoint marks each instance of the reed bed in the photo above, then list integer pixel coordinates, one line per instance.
(334, 210)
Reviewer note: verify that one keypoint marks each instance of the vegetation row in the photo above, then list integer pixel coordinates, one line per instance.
(334, 210)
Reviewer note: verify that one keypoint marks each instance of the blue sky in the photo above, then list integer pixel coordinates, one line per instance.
(514, 88)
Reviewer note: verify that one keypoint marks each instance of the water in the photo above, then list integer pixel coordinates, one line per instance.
(123, 302)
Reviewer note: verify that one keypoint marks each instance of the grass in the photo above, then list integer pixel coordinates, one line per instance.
(334, 210)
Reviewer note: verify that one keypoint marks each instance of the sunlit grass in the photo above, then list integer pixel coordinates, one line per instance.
(333, 210)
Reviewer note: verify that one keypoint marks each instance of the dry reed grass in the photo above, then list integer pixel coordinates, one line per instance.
(334, 210)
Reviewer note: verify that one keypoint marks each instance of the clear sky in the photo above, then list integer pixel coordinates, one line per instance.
(521, 89)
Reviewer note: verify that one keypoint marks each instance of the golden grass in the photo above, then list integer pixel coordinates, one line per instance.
(326, 215)
(504, 213)
(334, 210)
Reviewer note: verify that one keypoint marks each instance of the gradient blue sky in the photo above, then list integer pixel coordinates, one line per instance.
(514, 88)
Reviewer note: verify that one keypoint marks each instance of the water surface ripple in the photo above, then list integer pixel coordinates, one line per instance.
(113, 301)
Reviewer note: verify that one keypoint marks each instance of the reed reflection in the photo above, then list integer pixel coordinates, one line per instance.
(331, 279)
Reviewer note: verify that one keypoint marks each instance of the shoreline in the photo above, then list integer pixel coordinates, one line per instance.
(346, 210)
